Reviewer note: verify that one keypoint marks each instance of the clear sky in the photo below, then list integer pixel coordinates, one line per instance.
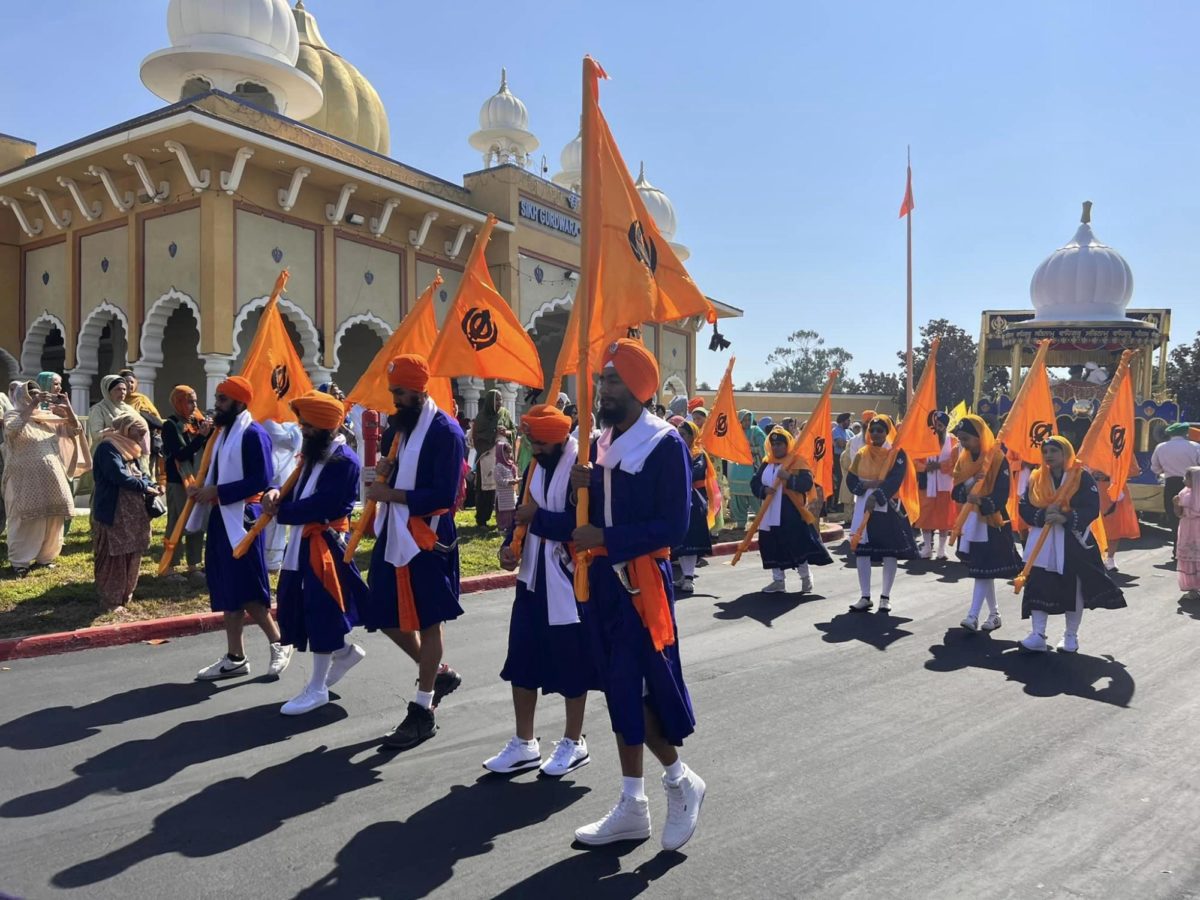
(777, 129)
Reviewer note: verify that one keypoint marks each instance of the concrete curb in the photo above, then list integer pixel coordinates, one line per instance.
(198, 623)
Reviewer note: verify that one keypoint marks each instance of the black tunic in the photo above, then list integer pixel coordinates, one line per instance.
(1082, 567)
(793, 542)
(998, 558)
(888, 532)
(698, 540)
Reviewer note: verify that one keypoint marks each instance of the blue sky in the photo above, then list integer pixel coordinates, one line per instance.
(778, 130)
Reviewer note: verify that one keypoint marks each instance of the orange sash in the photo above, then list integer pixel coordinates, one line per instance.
(406, 603)
(321, 559)
(651, 599)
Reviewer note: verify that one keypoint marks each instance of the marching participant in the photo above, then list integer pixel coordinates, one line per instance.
(639, 504)
(1120, 518)
(787, 536)
(318, 594)
(414, 566)
(938, 512)
(240, 472)
(547, 641)
(986, 542)
(698, 540)
(1067, 575)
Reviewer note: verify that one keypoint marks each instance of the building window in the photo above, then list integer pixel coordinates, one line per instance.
(256, 94)
(193, 86)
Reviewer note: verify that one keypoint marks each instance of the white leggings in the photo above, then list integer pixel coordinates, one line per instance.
(985, 589)
(864, 575)
(1074, 617)
(687, 565)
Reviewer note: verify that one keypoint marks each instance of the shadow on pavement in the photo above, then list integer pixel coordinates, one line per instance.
(1189, 606)
(762, 608)
(948, 571)
(879, 630)
(137, 765)
(1050, 674)
(463, 823)
(238, 811)
(60, 725)
(600, 870)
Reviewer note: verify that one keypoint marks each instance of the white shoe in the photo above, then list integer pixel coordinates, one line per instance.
(629, 820)
(1069, 643)
(281, 656)
(806, 584)
(224, 668)
(684, 800)
(517, 756)
(971, 623)
(1110, 563)
(686, 585)
(777, 586)
(567, 756)
(942, 556)
(862, 604)
(993, 622)
(885, 604)
(306, 701)
(343, 662)
(1035, 642)
(926, 552)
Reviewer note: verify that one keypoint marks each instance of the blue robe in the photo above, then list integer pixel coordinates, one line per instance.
(232, 583)
(308, 614)
(793, 542)
(650, 512)
(998, 558)
(434, 574)
(555, 658)
(888, 533)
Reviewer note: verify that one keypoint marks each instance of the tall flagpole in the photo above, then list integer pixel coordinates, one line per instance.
(909, 358)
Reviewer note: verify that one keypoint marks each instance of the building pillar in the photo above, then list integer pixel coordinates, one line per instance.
(320, 375)
(81, 391)
(472, 390)
(146, 374)
(216, 368)
(218, 289)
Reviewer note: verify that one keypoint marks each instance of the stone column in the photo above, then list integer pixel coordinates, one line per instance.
(146, 374)
(216, 368)
(81, 391)
(472, 390)
(320, 375)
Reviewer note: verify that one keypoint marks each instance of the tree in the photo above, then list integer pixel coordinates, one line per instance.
(1183, 378)
(955, 366)
(748, 386)
(803, 364)
(704, 386)
(871, 382)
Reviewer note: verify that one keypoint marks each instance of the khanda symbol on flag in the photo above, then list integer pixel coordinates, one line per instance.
(272, 364)
(1116, 439)
(643, 246)
(480, 328)
(1039, 431)
(280, 382)
(722, 425)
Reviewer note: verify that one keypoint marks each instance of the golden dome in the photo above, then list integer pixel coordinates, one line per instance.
(352, 109)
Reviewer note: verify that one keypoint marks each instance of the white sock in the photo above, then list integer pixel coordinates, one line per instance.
(942, 538)
(927, 536)
(674, 771)
(803, 570)
(633, 787)
(687, 565)
(529, 745)
(990, 596)
(320, 672)
(1038, 618)
(1075, 616)
(977, 597)
(424, 699)
(864, 575)
(778, 574)
(889, 575)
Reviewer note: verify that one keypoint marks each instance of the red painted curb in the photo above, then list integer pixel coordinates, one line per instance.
(198, 623)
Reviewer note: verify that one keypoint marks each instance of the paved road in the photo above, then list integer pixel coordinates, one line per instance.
(846, 756)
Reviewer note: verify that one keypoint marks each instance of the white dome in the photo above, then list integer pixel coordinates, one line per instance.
(503, 109)
(504, 136)
(658, 203)
(1085, 281)
(571, 158)
(264, 27)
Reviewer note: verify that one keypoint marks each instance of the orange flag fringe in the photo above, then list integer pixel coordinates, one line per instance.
(722, 435)
(272, 364)
(417, 333)
(481, 336)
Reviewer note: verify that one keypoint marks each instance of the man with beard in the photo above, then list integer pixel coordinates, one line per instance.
(414, 567)
(239, 472)
(547, 644)
(318, 594)
(640, 487)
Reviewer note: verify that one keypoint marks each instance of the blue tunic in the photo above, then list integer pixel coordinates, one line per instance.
(650, 512)
(698, 540)
(793, 543)
(888, 533)
(555, 658)
(308, 614)
(434, 574)
(998, 558)
(232, 583)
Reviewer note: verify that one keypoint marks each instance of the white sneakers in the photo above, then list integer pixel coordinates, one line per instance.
(1035, 642)
(686, 585)
(971, 623)
(224, 668)
(343, 661)
(777, 586)
(862, 604)
(885, 603)
(309, 699)
(281, 657)
(517, 756)
(629, 820)
(568, 755)
(1069, 643)
(806, 584)
(993, 622)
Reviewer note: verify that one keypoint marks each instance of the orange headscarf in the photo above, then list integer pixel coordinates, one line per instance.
(874, 463)
(792, 463)
(967, 468)
(1042, 492)
(180, 394)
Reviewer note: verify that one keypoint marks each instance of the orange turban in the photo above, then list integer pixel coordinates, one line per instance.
(320, 410)
(180, 395)
(546, 424)
(868, 415)
(695, 403)
(636, 365)
(237, 388)
(409, 371)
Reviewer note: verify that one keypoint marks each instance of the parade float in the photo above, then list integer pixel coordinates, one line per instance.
(1081, 295)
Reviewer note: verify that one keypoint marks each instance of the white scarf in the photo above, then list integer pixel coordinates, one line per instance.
(560, 591)
(401, 547)
(291, 556)
(1053, 552)
(628, 452)
(942, 480)
(229, 460)
(772, 517)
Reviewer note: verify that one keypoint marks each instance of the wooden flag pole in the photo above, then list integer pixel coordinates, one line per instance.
(368, 513)
(172, 542)
(909, 358)
(264, 520)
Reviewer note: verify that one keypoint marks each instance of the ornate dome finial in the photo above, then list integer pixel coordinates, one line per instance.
(1086, 218)
(504, 136)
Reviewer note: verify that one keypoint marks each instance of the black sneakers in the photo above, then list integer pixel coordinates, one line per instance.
(445, 682)
(418, 726)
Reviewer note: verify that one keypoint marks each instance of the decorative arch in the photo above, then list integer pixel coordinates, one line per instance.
(565, 302)
(35, 341)
(10, 369)
(87, 346)
(310, 340)
(155, 325)
(372, 321)
(675, 383)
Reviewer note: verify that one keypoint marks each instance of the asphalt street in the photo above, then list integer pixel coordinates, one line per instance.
(847, 755)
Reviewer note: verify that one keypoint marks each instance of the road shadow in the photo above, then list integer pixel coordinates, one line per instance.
(140, 764)
(762, 608)
(1189, 606)
(59, 725)
(238, 811)
(1050, 674)
(878, 630)
(463, 823)
(600, 870)
(948, 571)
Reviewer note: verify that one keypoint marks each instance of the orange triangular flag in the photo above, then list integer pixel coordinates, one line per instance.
(915, 434)
(722, 435)
(907, 205)
(482, 336)
(1031, 419)
(816, 441)
(417, 333)
(1108, 446)
(273, 366)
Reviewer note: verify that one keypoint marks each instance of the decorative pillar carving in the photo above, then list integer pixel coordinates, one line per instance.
(216, 368)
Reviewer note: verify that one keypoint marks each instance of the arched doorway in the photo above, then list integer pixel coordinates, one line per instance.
(170, 347)
(43, 345)
(103, 346)
(548, 327)
(300, 328)
(358, 341)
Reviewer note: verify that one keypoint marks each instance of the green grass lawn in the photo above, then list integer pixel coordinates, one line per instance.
(63, 598)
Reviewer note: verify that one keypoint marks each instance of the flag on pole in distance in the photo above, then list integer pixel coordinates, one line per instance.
(956, 415)
(907, 205)
(417, 333)
(272, 364)
(1031, 419)
(482, 336)
(816, 443)
(915, 434)
(1108, 445)
(722, 435)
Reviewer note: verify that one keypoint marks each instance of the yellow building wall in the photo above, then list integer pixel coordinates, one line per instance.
(368, 280)
(445, 295)
(171, 255)
(264, 246)
(104, 270)
(48, 285)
